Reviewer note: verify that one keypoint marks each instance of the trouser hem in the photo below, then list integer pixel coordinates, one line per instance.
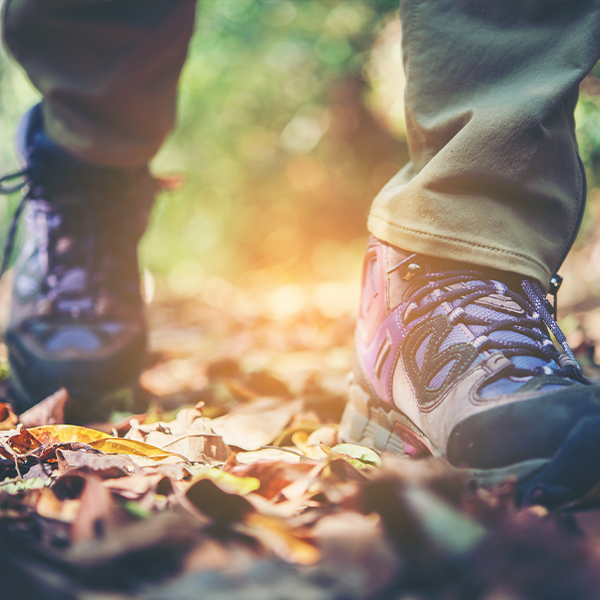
(440, 245)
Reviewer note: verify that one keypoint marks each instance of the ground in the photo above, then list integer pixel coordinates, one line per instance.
(232, 483)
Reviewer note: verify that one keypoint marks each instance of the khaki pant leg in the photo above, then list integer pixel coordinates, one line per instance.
(107, 70)
(494, 178)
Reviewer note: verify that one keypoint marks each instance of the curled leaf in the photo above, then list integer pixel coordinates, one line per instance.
(66, 434)
(50, 411)
(281, 539)
(215, 502)
(8, 419)
(23, 442)
(359, 456)
(112, 445)
(229, 482)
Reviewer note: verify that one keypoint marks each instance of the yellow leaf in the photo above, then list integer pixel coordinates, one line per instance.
(228, 482)
(281, 540)
(112, 445)
(66, 434)
(358, 456)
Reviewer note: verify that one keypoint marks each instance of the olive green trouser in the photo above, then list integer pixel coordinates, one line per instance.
(495, 177)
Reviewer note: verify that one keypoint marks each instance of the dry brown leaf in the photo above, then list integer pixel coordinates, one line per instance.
(270, 454)
(275, 535)
(102, 465)
(257, 423)
(175, 472)
(23, 442)
(211, 500)
(349, 538)
(96, 512)
(134, 486)
(328, 435)
(8, 419)
(273, 476)
(300, 487)
(50, 411)
(50, 507)
(194, 446)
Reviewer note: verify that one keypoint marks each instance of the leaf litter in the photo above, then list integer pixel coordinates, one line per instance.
(240, 488)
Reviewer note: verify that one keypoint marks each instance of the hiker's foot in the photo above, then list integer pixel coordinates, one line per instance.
(454, 360)
(76, 318)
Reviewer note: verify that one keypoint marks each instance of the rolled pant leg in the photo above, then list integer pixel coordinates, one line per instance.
(107, 70)
(494, 178)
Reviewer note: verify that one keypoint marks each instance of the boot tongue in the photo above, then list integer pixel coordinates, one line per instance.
(501, 303)
(497, 302)
(401, 284)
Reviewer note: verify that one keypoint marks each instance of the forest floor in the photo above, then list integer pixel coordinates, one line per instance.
(231, 484)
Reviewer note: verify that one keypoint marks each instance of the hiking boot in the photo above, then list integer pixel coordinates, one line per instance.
(456, 361)
(77, 316)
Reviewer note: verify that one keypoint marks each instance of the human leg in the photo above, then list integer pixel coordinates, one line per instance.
(107, 70)
(494, 177)
(108, 73)
(453, 354)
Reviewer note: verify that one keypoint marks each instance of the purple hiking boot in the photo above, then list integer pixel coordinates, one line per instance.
(456, 361)
(76, 317)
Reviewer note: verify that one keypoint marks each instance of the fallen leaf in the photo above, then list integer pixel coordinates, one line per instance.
(96, 512)
(285, 437)
(255, 424)
(50, 411)
(134, 486)
(327, 434)
(350, 538)
(358, 456)
(17, 486)
(194, 446)
(451, 530)
(65, 434)
(300, 440)
(112, 445)
(225, 367)
(272, 454)
(23, 441)
(102, 465)
(273, 476)
(275, 535)
(229, 482)
(218, 504)
(300, 487)
(8, 419)
(50, 507)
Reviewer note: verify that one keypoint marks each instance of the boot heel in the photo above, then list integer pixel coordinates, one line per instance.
(369, 425)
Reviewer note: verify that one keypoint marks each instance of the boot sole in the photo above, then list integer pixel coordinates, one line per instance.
(369, 422)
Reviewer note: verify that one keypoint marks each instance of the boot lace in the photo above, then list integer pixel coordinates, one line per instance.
(461, 288)
(107, 271)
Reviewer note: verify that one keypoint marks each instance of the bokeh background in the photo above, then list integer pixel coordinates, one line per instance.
(290, 121)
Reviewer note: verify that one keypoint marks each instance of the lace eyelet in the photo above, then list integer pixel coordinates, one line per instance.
(411, 270)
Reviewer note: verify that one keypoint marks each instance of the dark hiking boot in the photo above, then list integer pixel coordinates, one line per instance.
(456, 361)
(77, 316)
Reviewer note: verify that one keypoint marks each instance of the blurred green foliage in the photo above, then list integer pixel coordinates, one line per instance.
(271, 103)
(278, 147)
(275, 149)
